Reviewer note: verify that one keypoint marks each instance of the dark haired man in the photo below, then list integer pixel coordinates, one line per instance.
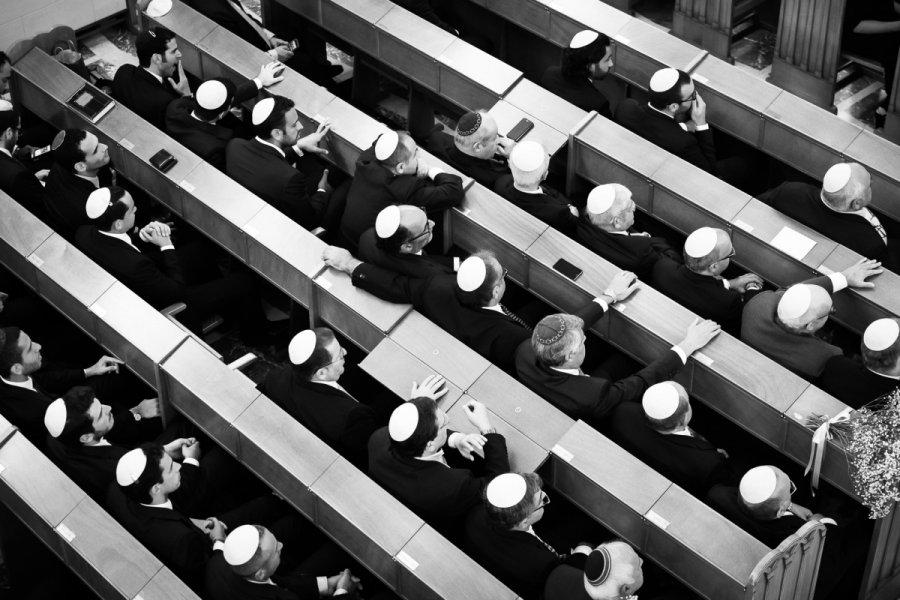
(587, 59)
(875, 372)
(398, 241)
(16, 179)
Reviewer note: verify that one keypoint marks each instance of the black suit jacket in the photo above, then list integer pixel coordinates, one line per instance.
(484, 171)
(262, 170)
(223, 584)
(25, 408)
(635, 253)
(697, 148)
(691, 462)
(848, 380)
(206, 140)
(517, 558)
(424, 9)
(67, 194)
(439, 494)
(727, 501)
(343, 423)
(374, 188)
(580, 91)
(803, 202)
(93, 468)
(419, 266)
(140, 91)
(154, 276)
(551, 207)
(21, 185)
(493, 335)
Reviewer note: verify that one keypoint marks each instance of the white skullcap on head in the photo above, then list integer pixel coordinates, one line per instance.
(758, 484)
(471, 274)
(386, 144)
(528, 156)
(663, 80)
(158, 8)
(302, 346)
(98, 202)
(130, 467)
(701, 242)
(836, 178)
(506, 490)
(5, 105)
(881, 334)
(387, 222)
(660, 401)
(403, 422)
(601, 199)
(240, 545)
(55, 417)
(212, 95)
(262, 110)
(795, 302)
(583, 38)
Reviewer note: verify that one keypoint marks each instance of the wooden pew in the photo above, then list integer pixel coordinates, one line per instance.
(710, 23)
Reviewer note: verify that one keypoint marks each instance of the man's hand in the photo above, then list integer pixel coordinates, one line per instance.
(323, 182)
(216, 529)
(190, 448)
(422, 169)
(173, 448)
(505, 146)
(200, 524)
(148, 409)
(699, 333)
(270, 73)
(622, 285)
(156, 233)
(740, 283)
(477, 414)
(430, 388)
(346, 581)
(801, 511)
(183, 86)
(857, 273)
(106, 364)
(310, 142)
(698, 111)
(340, 259)
(573, 210)
(467, 443)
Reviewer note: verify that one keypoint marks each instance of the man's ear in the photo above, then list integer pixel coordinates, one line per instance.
(80, 166)
(86, 438)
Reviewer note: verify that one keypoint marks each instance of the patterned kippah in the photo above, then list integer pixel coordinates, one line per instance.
(468, 124)
(550, 330)
(598, 566)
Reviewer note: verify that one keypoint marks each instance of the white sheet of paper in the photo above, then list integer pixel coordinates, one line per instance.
(793, 243)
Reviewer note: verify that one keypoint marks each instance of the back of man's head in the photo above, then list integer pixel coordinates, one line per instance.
(666, 406)
(476, 279)
(612, 571)
(115, 210)
(10, 353)
(150, 42)
(139, 470)
(845, 183)
(556, 337)
(880, 346)
(69, 153)
(308, 351)
(666, 87)
(412, 426)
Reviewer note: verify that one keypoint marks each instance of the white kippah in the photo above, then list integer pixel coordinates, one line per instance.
(881, 334)
(387, 222)
(836, 178)
(663, 80)
(795, 302)
(240, 545)
(403, 422)
(97, 203)
(302, 346)
(130, 467)
(601, 199)
(506, 490)
(386, 144)
(262, 110)
(583, 38)
(158, 8)
(701, 242)
(55, 417)
(758, 484)
(5, 105)
(527, 156)
(471, 274)
(660, 401)
(212, 95)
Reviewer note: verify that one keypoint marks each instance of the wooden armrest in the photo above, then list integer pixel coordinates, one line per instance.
(240, 363)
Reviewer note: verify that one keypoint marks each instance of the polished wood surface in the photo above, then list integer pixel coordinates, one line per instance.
(396, 368)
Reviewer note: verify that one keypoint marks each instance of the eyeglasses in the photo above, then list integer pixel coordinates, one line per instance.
(793, 488)
(341, 355)
(429, 227)
(729, 255)
(545, 500)
(691, 98)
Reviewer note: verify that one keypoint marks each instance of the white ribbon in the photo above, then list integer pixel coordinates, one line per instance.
(817, 449)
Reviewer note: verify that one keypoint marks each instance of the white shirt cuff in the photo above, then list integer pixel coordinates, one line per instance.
(601, 302)
(703, 127)
(455, 264)
(680, 354)
(166, 247)
(434, 172)
(258, 83)
(339, 592)
(726, 284)
(191, 461)
(838, 281)
(322, 582)
(217, 545)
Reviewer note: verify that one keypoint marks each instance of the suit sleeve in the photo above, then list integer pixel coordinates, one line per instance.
(496, 462)
(59, 381)
(29, 193)
(388, 285)
(444, 192)
(190, 553)
(361, 424)
(823, 282)
(632, 388)
(166, 279)
(301, 206)
(703, 153)
(244, 92)
(590, 313)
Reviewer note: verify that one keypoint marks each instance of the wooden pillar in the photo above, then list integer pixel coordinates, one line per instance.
(892, 123)
(881, 580)
(705, 23)
(808, 49)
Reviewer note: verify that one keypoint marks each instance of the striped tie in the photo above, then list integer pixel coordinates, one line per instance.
(514, 317)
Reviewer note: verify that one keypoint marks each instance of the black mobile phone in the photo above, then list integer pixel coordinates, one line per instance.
(40, 152)
(567, 269)
(163, 161)
(519, 131)
(295, 43)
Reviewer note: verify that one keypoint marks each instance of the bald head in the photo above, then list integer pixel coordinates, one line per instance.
(625, 573)
(662, 417)
(477, 134)
(618, 216)
(856, 191)
(806, 312)
(411, 235)
(713, 262)
(777, 500)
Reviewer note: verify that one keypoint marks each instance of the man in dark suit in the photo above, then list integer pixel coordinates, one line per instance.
(398, 240)
(310, 392)
(390, 172)
(476, 149)
(698, 284)
(606, 228)
(588, 58)
(149, 88)
(500, 534)
(839, 210)
(550, 362)
(16, 179)
(782, 324)
(408, 459)
(658, 432)
(530, 163)
(80, 167)
(466, 306)
(265, 164)
(859, 380)
(197, 123)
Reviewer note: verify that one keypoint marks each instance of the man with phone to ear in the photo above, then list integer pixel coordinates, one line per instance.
(476, 148)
